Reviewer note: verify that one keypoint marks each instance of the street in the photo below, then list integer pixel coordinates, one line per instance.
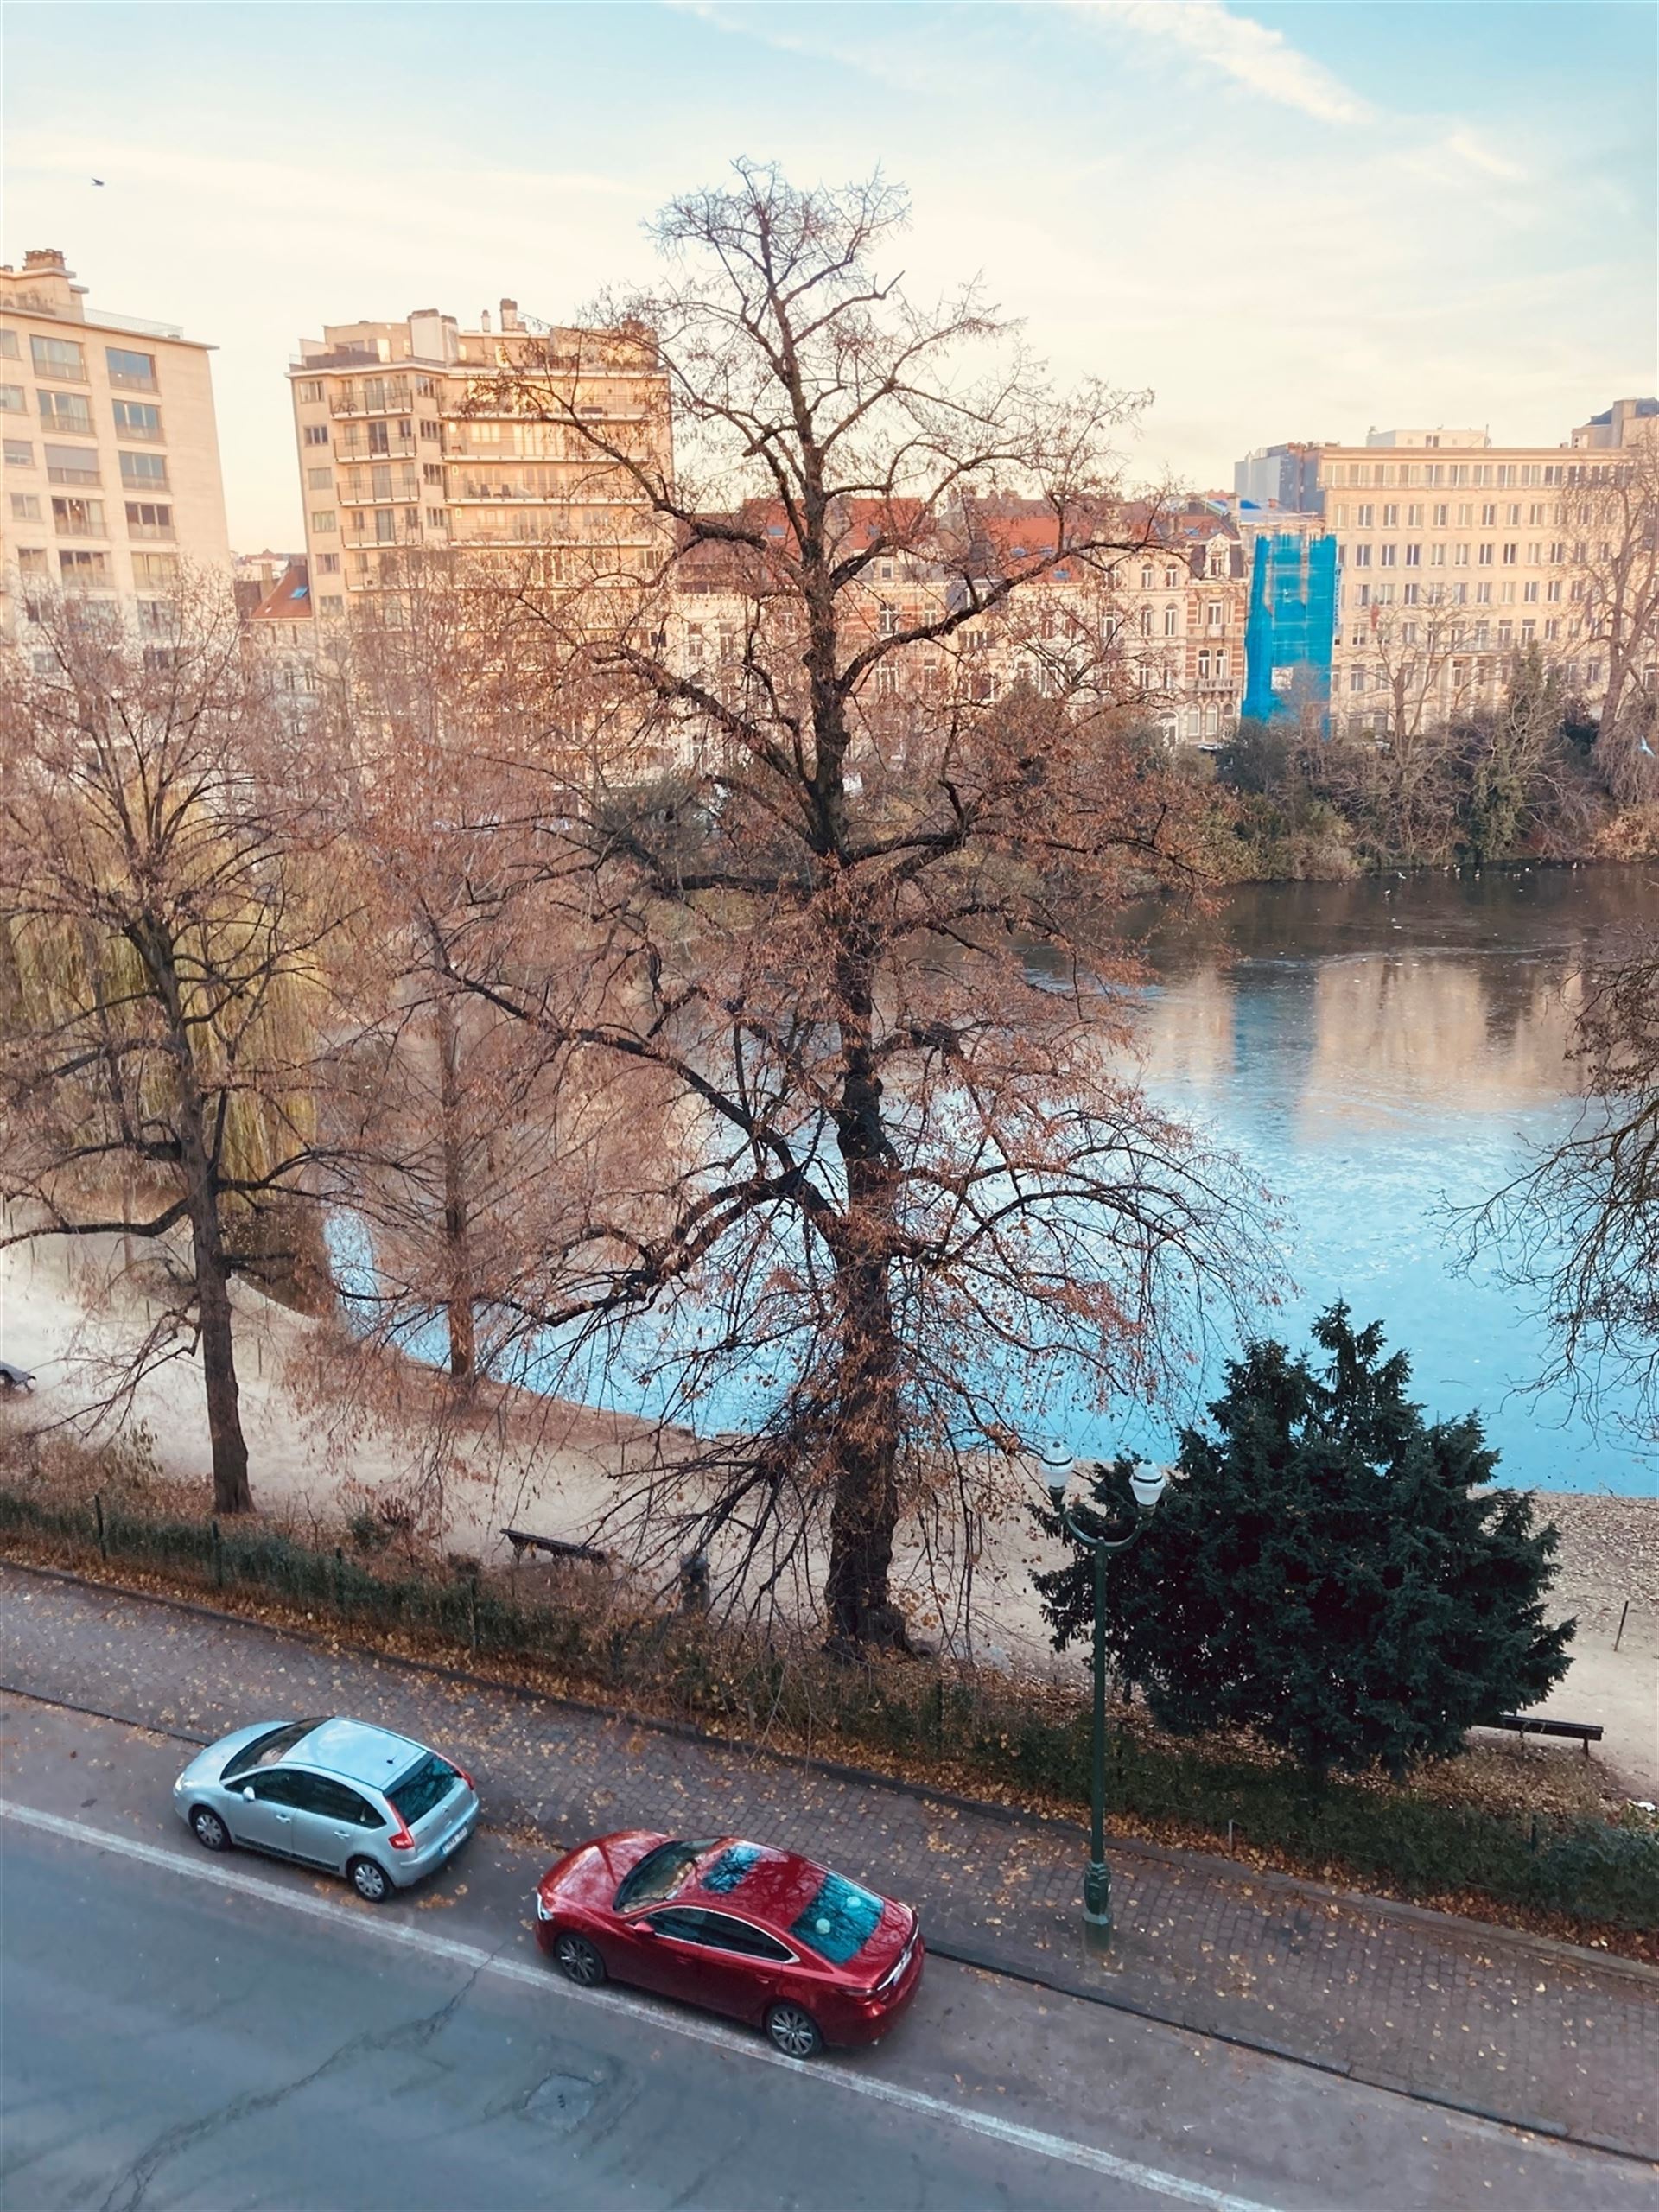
(176, 2030)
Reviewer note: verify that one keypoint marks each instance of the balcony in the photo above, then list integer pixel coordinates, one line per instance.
(350, 456)
(121, 381)
(349, 400)
(86, 475)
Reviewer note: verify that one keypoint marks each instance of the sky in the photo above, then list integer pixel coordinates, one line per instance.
(1297, 221)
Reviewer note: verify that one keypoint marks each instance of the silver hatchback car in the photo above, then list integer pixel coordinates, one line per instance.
(378, 1809)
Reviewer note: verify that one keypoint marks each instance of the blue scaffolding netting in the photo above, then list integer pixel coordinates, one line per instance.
(1292, 627)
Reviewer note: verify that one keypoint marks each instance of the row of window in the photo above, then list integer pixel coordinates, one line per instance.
(1489, 553)
(78, 518)
(1449, 475)
(151, 571)
(1459, 595)
(1361, 680)
(70, 413)
(140, 472)
(1537, 513)
(63, 360)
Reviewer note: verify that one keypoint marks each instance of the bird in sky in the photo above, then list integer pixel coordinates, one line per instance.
(98, 180)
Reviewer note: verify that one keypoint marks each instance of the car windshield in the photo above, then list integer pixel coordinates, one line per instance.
(422, 1788)
(658, 1874)
(839, 1922)
(266, 1750)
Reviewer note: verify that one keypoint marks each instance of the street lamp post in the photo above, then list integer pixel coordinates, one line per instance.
(1148, 1484)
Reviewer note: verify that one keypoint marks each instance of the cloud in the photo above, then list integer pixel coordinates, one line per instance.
(1468, 149)
(1261, 60)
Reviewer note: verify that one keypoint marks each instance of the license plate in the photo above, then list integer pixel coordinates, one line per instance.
(455, 1842)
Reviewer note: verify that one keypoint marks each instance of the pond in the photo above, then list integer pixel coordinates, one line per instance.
(1381, 1050)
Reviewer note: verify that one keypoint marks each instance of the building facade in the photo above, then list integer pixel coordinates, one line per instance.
(1280, 476)
(1454, 553)
(416, 436)
(112, 469)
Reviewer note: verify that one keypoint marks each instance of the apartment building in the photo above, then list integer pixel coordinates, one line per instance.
(1454, 553)
(113, 483)
(412, 437)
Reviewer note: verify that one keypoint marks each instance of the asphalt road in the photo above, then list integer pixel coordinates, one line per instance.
(177, 2029)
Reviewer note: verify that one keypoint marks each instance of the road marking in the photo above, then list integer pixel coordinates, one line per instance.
(1008, 2132)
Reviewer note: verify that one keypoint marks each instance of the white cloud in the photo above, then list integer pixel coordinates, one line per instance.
(1468, 148)
(1261, 60)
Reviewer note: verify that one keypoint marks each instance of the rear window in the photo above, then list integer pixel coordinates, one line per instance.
(423, 1787)
(266, 1750)
(658, 1874)
(839, 1922)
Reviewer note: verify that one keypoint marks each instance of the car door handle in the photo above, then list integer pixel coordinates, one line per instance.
(285, 1817)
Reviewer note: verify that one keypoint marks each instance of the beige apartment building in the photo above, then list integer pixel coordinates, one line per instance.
(410, 437)
(113, 483)
(1454, 553)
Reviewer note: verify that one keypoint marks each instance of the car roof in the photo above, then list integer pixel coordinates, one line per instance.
(769, 1884)
(356, 1753)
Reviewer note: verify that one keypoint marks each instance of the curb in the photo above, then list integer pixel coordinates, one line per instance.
(1007, 1968)
(1199, 1862)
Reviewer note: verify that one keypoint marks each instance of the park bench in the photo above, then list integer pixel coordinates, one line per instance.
(553, 1547)
(1576, 1731)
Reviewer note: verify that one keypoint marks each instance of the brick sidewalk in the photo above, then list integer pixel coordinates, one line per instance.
(1536, 2034)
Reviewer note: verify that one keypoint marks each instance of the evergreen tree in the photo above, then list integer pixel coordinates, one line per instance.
(1326, 1570)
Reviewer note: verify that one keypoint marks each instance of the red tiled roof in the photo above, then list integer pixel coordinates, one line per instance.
(288, 599)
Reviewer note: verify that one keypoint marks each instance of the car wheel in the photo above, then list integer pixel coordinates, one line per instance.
(208, 1829)
(793, 2032)
(578, 1961)
(370, 1881)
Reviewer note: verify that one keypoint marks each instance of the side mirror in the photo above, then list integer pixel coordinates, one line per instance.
(247, 1796)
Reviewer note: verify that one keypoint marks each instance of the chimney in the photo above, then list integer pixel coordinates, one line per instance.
(509, 315)
(44, 261)
(484, 321)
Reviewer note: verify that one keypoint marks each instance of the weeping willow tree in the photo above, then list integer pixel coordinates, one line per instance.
(165, 916)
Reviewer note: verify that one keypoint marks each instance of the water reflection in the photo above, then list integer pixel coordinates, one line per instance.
(1381, 1051)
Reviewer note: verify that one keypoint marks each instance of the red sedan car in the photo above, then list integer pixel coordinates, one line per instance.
(761, 1934)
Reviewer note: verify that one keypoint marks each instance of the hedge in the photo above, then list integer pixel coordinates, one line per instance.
(1009, 1733)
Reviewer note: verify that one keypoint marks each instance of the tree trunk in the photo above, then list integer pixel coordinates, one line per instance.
(463, 1339)
(229, 1446)
(864, 1514)
(857, 1596)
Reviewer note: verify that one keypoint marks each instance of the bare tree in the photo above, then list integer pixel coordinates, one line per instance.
(163, 932)
(861, 945)
(1578, 1231)
(1611, 513)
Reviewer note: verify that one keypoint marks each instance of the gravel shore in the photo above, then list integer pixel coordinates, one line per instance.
(1609, 1553)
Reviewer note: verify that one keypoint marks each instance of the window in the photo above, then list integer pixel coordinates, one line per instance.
(436, 518)
(1362, 557)
(1488, 515)
(1387, 556)
(78, 518)
(1459, 556)
(1171, 617)
(144, 471)
(1390, 518)
(136, 418)
(411, 518)
(379, 482)
(658, 1874)
(325, 518)
(19, 454)
(1414, 556)
(385, 527)
(314, 434)
(1363, 517)
(146, 520)
(157, 571)
(132, 372)
(1356, 679)
(1483, 594)
(60, 358)
(1441, 514)
(1483, 556)
(321, 1792)
(71, 465)
(1552, 629)
(310, 391)
(8, 350)
(32, 561)
(11, 399)
(320, 480)
(65, 411)
(428, 430)
(1529, 594)
(281, 1786)
(1413, 517)
(422, 1789)
(328, 564)
(331, 606)
(1553, 590)
(26, 506)
(1212, 614)
(680, 1923)
(840, 1920)
(1511, 555)
(721, 1933)
(84, 571)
